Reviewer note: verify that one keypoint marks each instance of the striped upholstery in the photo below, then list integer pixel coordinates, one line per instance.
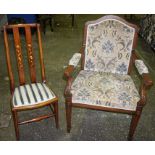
(31, 94)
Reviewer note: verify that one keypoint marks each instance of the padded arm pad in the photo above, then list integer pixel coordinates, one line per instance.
(75, 59)
(141, 67)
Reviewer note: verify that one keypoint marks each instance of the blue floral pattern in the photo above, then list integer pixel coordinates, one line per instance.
(105, 89)
(125, 98)
(122, 68)
(111, 40)
(108, 47)
(90, 64)
(83, 94)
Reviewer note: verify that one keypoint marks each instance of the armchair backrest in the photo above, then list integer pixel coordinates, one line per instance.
(108, 44)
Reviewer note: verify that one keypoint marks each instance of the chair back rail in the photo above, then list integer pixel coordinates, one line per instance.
(19, 55)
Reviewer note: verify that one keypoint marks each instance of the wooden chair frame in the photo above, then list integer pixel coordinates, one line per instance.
(146, 83)
(32, 69)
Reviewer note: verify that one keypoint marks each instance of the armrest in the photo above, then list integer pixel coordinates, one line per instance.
(73, 62)
(145, 85)
(141, 67)
(67, 91)
(143, 71)
(75, 59)
(68, 71)
(146, 82)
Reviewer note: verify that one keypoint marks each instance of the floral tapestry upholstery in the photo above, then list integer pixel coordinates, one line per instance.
(75, 59)
(105, 89)
(108, 46)
(141, 67)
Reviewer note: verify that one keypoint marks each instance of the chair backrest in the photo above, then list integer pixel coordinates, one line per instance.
(19, 56)
(108, 45)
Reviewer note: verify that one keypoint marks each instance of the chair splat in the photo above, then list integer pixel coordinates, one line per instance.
(19, 55)
(31, 59)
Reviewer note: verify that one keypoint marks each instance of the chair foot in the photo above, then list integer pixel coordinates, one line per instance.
(130, 138)
(68, 130)
(56, 115)
(57, 126)
(68, 116)
(133, 125)
(15, 119)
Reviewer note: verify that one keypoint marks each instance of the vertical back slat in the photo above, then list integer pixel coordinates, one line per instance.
(31, 58)
(8, 61)
(19, 55)
(41, 54)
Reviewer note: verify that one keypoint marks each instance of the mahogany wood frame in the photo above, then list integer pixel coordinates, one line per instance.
(145, 84)
(32, 70)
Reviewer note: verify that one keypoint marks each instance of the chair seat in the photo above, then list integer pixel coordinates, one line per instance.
(105, 89)
(32, 94)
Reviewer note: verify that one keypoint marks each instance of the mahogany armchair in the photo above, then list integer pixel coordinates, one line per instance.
(104, 82)
(35, 94)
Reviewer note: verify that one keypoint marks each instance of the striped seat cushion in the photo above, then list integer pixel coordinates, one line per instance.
(31, 94)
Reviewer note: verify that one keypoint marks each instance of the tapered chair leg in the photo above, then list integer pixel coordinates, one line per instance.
(15, 119)
(68, 116)
(133, 125)
(56, 115)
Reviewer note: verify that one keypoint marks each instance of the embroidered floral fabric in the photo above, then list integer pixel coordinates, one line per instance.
(75, 59)
(141, 67)
(105, 89)
(108, 46)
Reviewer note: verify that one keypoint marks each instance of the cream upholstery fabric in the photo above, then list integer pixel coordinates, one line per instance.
(105, 89)
(31, 94)
(108, 46)
(141, 67)
(75, 59)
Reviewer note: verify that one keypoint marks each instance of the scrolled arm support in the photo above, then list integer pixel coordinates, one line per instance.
(75, 59)
(146, 81)
(73, 62)
(67, 92)
(68, 72)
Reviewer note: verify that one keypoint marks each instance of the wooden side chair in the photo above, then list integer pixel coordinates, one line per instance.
(32, 95)
(104, 82)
